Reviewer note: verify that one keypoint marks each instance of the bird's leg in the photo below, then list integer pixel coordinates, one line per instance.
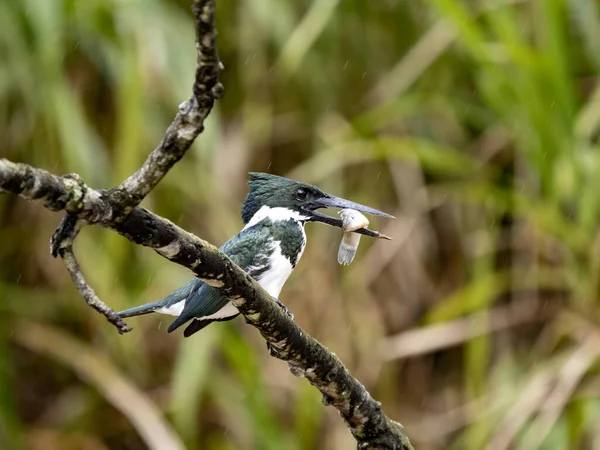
(285, 310)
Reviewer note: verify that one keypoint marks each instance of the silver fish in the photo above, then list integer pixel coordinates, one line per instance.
(352, 220)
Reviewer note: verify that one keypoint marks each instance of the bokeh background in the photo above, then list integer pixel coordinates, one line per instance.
(474, 122)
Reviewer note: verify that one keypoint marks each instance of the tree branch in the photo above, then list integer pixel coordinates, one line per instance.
(189, 121)
(61, 245)
(117, 210)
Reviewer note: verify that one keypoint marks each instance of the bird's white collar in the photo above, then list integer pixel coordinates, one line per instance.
(275, 214)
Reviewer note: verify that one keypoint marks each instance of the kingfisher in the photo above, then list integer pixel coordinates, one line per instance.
(268, 248)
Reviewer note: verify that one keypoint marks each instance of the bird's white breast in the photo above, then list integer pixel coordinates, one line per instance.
(280, 267)
(273, 279)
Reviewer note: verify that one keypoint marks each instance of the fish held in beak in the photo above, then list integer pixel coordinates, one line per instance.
(331, 201)
(352, 220)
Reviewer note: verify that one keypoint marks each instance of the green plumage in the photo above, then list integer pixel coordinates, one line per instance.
(251, 249)
(291, 240)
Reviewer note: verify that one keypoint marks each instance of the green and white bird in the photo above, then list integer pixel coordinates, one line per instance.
(268, 248)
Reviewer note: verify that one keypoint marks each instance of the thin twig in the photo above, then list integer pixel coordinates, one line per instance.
(189, 121)
(61, 245)
(68, 193)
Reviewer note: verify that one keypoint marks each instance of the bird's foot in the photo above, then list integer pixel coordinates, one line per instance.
(285, 310)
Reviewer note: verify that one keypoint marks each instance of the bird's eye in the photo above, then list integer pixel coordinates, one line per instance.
(301, 194)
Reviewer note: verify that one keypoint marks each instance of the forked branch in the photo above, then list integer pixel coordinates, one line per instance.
(61, 245)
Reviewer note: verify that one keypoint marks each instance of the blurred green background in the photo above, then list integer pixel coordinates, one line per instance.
(474, 122)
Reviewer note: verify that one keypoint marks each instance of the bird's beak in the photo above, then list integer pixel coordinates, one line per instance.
(331, 201)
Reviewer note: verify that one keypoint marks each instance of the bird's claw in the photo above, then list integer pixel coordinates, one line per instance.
(285, 310)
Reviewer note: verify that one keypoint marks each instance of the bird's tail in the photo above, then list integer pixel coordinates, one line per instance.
(171, 304)
(140, 310)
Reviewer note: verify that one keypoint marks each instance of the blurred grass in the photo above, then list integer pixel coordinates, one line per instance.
(476, 123)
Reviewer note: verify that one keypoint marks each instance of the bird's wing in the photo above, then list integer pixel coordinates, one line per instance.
(204, 300)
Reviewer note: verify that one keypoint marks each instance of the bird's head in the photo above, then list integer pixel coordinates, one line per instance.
(303, 199)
